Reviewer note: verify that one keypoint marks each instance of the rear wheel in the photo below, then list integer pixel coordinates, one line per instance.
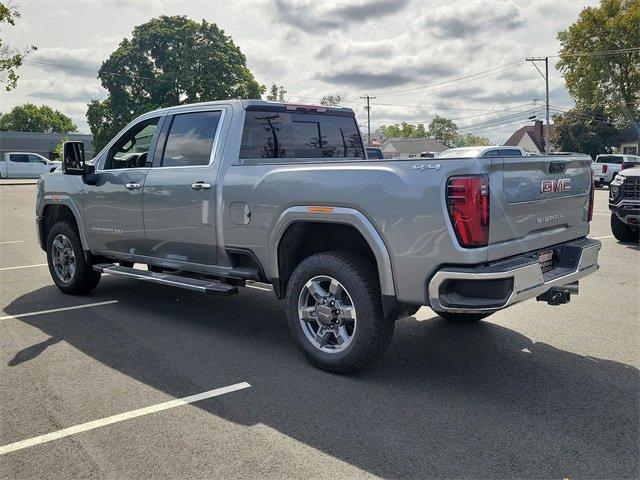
(334, 311)
(622, 231)
(67, 264)
(463, 317)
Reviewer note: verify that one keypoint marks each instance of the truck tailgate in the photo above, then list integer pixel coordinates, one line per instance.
(537, 202)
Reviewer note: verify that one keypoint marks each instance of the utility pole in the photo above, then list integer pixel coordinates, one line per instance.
(545, 75)
(368, 109)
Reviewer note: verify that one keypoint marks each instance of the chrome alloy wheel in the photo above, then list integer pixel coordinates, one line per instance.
(63, 258)
(327, 315)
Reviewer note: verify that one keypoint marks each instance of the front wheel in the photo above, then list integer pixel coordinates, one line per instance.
(463, 317)
(67, 264)
(622, 231)
(334, 311)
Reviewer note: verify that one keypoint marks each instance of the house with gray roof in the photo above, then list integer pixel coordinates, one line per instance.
(399, 147)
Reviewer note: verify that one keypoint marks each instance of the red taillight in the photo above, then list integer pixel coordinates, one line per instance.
(605, 167)
(591, 197)
(468, 202)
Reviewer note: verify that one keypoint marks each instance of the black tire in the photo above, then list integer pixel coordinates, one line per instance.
(622, 231)
(372, 333)
(84, 279)
(463, 317)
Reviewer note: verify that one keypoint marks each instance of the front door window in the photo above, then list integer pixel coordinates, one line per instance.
(131, 150)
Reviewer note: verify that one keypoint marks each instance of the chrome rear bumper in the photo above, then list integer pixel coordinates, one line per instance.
(518, 279)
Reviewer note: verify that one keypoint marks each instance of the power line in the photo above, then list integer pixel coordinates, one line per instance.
(495, 121)
(434, 107)
(492, 111)
(69, 67)
(458, 81)
(598, 53)
(483, 131)
(502, 68)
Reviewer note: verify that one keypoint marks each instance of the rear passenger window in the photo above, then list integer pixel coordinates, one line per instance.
(278, 135)
(190, 139)
(511, 152)
(19, 158)
(491, 153)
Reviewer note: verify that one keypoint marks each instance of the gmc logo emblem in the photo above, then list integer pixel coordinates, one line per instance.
(552, 186)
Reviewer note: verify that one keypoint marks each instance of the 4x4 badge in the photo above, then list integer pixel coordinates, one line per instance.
(422, 167)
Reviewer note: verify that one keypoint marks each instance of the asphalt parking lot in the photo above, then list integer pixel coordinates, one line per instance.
(535, 391)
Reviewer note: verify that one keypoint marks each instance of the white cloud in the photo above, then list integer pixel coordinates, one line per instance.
(388, 49)
(81, 62)
(469, 19)
(69, 91)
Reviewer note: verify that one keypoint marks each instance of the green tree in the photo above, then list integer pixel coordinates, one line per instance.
(443, 130)
(33, 118)
(331, 100)
(168, 61)
(100, 118)
(10, 59)
(609, 81)
(584, 131)
(470, 140)
(403, 129)
(276, 93)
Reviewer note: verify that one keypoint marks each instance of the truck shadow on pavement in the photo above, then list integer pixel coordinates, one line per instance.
(447, 401)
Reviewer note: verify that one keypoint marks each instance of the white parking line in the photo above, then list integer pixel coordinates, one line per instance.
(63, 309)
(601, 238)
(83, 427)
(23, 266)
(11, 241)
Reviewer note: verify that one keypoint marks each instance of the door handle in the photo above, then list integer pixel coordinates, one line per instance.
(132, 186)
(201, 186)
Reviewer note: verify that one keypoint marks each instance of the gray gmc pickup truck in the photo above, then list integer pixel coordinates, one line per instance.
(213, 195)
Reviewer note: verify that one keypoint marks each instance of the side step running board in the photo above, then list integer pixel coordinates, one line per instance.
(205, 286)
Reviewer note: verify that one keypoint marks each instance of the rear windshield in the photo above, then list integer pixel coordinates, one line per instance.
(374, 153)
(609, 159)
(288, 137)
(470, 152)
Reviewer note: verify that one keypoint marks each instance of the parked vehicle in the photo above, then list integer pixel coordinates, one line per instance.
(631, 162)
(606, 167)
(238, 191)
(25, 165)
(624, 203)
(483, 152)
(374, 153)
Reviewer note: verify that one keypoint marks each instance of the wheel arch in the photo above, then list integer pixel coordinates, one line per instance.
(331, 215)
(55, 209)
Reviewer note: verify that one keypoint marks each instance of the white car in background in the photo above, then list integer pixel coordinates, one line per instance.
(25, 165)
(607, 166)
(487, 151)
